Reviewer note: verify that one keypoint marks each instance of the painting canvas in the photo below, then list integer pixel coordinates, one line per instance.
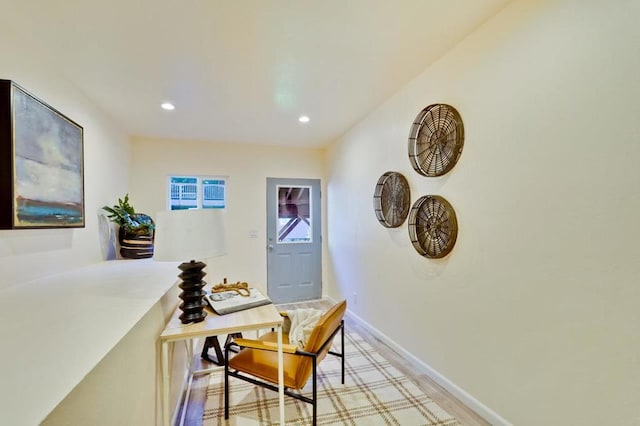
(46, 178)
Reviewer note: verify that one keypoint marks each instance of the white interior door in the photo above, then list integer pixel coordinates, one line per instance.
(294, 242)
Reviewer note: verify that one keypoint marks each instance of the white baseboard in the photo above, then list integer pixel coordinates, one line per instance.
(455, 390)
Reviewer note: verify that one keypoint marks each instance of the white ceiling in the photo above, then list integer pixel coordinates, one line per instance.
(243, 70)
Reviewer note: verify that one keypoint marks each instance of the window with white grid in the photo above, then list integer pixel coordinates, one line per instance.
(196, 192)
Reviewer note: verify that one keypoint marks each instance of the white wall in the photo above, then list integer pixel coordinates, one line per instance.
(30, 254)
(247, 167)
(26, 255)
(535, 313)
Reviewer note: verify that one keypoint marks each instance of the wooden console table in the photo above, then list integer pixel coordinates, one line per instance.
(266, 316)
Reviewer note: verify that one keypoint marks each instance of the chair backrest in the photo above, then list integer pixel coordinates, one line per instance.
(326, 325)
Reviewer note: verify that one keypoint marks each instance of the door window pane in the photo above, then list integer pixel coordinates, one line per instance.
(294, 214)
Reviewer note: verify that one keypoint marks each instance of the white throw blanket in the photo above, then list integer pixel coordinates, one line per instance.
(302, 323)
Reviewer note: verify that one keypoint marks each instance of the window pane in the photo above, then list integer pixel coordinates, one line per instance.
(184, 193)
(294, 214)
(213, 193)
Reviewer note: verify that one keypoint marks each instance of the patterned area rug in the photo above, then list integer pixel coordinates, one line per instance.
(374, 393)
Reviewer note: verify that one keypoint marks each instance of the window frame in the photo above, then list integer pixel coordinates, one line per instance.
(200, 182)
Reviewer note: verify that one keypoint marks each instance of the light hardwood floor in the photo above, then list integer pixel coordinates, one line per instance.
(466, 417)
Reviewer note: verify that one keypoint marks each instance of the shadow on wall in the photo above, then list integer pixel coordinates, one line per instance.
(18, 242)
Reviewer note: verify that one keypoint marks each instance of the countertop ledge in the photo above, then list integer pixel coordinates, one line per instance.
(55, 330)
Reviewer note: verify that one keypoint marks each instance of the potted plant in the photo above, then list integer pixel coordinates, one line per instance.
(136, 230)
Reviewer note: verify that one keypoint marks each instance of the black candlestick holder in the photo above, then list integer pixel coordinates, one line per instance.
(192, 295)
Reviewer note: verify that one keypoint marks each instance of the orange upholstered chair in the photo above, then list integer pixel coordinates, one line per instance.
(257, 362)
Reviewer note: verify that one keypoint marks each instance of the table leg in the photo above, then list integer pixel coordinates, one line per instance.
(280, 377)
(164, 354)
(190, 346)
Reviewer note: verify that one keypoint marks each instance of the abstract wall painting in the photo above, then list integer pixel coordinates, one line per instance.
(41, 163)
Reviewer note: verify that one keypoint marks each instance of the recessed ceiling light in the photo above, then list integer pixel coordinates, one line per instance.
(168, 106)
(303, 119)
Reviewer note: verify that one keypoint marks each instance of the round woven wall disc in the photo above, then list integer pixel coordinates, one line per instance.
(392, 199)
(436, 140)
(433, 227)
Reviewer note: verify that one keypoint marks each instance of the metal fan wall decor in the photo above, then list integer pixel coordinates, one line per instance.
(392, 199)
(436, 140)
(433, 227)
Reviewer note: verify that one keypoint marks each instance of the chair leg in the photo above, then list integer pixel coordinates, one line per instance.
(342, 347)
(230, 338)
(315, 393)
(226, 382)
(212, 342)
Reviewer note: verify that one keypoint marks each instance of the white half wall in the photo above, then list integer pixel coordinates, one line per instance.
(535, 313)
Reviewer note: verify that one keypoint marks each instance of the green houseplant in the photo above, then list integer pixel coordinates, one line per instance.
(136, 230)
